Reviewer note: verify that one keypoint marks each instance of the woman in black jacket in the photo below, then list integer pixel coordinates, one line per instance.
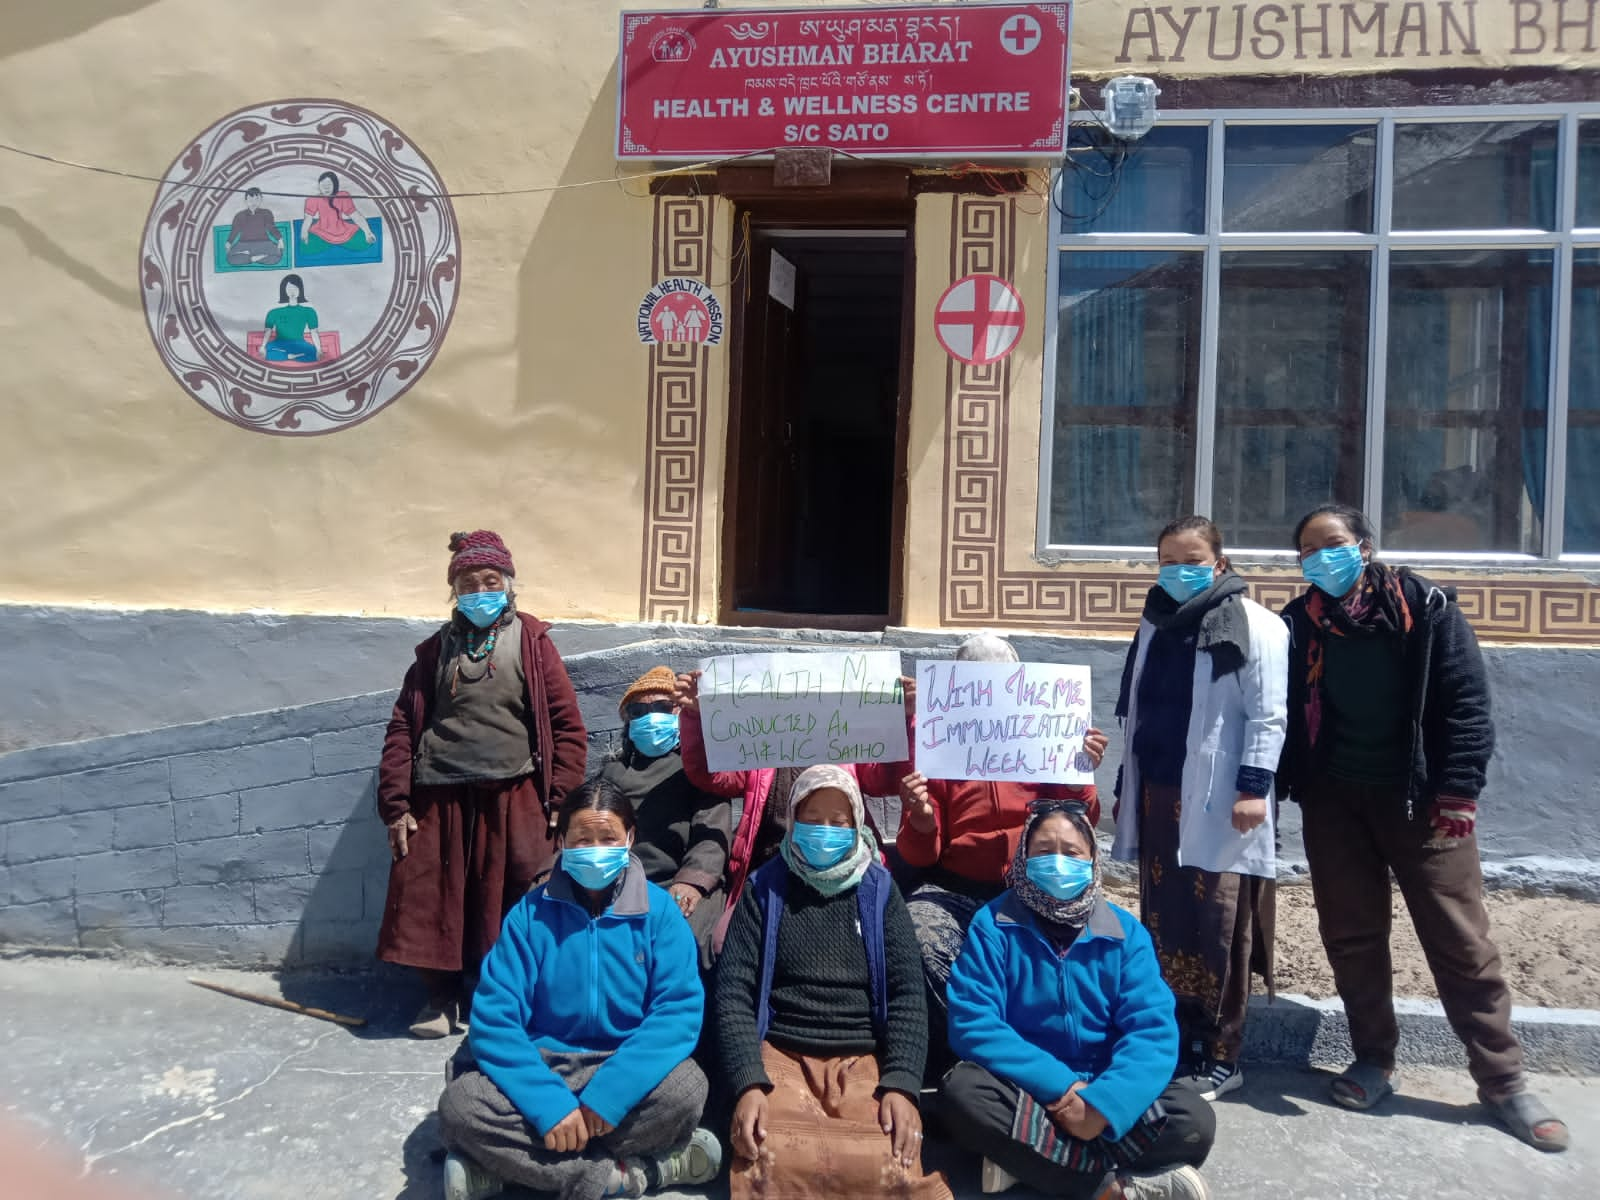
(1389, 740)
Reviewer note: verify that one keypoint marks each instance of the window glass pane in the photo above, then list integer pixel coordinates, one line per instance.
(1582, 526)
(1154, 185)
(1589, 174)
(1287, 178)
(1291, 389)
(1127, 371)
(1475, 175)
(1468, 371)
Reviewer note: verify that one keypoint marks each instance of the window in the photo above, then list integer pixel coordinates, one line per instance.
(1259, 312)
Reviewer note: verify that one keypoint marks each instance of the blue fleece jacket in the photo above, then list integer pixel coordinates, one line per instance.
(1101, 1013)
(627, 981)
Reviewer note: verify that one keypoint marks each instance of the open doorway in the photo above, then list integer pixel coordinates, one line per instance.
(815, 510)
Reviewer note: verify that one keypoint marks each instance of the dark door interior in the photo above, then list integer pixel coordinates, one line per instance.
(818, 401)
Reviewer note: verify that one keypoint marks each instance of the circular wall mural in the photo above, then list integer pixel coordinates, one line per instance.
(300, 266)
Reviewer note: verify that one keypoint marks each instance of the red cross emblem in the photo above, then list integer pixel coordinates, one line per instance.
(1020, 35)
(979, 319)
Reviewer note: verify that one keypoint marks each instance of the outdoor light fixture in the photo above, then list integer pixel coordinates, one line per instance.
(1130, 102)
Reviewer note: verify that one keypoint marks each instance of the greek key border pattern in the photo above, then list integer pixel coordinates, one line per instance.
(976, 588)
(674, 487)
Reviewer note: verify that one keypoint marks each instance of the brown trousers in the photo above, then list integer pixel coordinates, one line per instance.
(1355, 835)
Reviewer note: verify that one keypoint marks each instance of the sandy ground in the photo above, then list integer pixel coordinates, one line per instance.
(1549, 946)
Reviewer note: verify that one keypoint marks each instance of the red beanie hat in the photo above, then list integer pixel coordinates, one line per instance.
(480, 548)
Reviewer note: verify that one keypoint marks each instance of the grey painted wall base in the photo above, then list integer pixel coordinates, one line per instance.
(253, 839)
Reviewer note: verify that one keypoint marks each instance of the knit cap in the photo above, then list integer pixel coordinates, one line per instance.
(656, 679)
(480, 548)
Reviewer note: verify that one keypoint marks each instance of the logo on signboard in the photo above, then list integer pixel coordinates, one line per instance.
(1021, 35)
(680, 310)
(672, 46)
(979, 319)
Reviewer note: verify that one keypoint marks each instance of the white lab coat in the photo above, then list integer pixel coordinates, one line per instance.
(1237, 720)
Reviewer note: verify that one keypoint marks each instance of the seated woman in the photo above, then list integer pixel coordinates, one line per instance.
(821, 1019)
(589, 1007)
(1069, 1038)
(963, 833)
(763, 820)
(683, 831)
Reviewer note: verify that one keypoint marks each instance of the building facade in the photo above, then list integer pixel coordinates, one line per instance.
(292, 299)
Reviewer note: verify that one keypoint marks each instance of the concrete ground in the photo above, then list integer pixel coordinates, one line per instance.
(133, 1074)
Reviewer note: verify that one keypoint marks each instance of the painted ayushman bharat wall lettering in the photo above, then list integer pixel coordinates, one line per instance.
(300, 266)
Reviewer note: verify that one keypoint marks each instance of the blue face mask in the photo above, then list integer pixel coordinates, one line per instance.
(823, 846)
(1182, 581)
(1334, 569)
(1061, 877)
(654, 734)
(483, 609)
(594, 867)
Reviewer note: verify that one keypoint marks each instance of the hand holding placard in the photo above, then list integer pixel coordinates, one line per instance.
(1020, 722)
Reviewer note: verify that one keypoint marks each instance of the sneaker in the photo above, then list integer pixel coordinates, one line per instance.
(996, 1178)
(1222, 1078)
(433, 1022)
(1177, 1183)
(694, 1163)
(466, 1180)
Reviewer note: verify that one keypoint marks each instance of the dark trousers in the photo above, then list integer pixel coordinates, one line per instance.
(980, 1107)
(1355, 835)
(479, 1121)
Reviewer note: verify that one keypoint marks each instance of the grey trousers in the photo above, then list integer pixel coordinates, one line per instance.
(480, 1122)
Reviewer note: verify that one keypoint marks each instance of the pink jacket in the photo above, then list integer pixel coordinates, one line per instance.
(876, 779)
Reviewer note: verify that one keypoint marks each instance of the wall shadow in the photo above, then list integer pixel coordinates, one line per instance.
(33, 23)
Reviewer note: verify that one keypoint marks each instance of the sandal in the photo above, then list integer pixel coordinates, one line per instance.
(1361, 1086)
(1525, 1115)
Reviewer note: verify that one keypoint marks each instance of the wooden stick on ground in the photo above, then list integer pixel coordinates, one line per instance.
(321, 1014)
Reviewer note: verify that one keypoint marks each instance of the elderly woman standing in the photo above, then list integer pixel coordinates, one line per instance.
(485, 742)
(683, 831)
(1068, 1037)
(821, 1017)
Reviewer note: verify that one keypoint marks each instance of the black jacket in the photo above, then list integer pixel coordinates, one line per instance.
(1452, 732)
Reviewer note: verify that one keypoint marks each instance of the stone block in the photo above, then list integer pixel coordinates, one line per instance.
(30, 798)
(244, 767)
(29, 883)
(207, 817)
(214, 945)
(256, 856)
(145, 825)
(338, 943)
(348, 750)
(326, 800)
(335, 896)
(359, 845)
(127, 870)
(116, 787)
(209, 904)
(374, 892)
(51, 923)
(120, 910)
(59, 837)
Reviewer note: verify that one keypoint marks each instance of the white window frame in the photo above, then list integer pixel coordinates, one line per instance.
(1563, 242)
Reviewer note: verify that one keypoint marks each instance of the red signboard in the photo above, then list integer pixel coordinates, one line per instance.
(923, 81)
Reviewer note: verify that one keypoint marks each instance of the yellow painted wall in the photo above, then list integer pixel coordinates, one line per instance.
(120, 489)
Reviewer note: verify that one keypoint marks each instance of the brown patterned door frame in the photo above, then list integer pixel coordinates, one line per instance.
(675, 426)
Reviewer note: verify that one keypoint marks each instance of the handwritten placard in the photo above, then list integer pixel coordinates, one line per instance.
(798, 710)
(1022, 722)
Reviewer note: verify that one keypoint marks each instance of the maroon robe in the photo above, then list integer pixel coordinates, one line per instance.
(478, 847)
